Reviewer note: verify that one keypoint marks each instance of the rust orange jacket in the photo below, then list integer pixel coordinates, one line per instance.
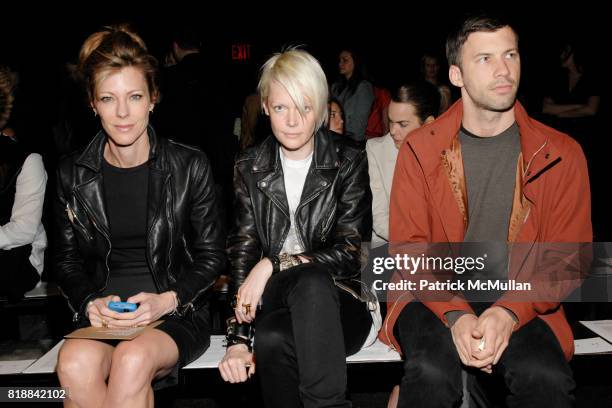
(429, 204)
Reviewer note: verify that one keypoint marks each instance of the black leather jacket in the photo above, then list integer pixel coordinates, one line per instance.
(184, 239)
(333, 218)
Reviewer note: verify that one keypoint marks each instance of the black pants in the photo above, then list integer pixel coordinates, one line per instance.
(304, 332)
(17, 275)
(532, 371)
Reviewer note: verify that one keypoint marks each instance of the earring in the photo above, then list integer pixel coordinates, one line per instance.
(95, 113)
(151, 109)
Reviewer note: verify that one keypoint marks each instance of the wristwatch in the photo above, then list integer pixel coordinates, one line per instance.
(284, 261)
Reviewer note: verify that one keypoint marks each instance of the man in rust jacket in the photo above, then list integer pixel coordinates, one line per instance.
(486, 172)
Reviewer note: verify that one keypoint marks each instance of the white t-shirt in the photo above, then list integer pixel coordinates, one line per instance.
(295, 172)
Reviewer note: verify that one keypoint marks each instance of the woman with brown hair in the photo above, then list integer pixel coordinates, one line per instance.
(137, 222)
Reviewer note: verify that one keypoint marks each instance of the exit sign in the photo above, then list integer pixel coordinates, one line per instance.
(241, 52)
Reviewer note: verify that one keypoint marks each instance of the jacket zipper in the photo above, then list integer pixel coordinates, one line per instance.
(170, 230)
(75, 314)
(299, 207)
(95, 224)
(149, 260)
(189, 304)
(325, 227)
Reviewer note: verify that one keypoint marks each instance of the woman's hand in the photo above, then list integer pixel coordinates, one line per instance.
(98, 311)
(233, 366)
(151, 307)
(251, 290)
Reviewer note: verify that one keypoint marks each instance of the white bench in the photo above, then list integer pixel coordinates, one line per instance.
(377, 353)
(46, 364)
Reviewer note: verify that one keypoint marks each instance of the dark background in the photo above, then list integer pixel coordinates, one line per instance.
(392, 38)
(38, 40)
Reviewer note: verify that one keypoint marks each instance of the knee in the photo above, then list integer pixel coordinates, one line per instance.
(270, 342)
(430, 372)
(130, 361)
(312, 281)
(76, 364)
(535, 378)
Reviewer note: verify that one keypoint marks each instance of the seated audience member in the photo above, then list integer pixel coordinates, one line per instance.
(411, 107)
(136, 222)
(22, 191)
(303, 208)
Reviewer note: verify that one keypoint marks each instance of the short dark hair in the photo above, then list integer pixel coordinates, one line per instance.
(424, 96)
(473, 23)
(339, 104)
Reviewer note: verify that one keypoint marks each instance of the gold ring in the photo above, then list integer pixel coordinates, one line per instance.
(104, 323)
(247, 308)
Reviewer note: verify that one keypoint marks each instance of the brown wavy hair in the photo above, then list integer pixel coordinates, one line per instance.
(6, 95)
(114, 48)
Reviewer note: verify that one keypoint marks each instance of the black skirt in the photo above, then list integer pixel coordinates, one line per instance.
(191, 334)
(192, 337)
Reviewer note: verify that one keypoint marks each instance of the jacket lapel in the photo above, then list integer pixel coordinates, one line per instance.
(452, 164)
(320, 176)
(159, 177)
(273, 184)
(323, 169)
(91, 193)
(156, 195)
(439, 154)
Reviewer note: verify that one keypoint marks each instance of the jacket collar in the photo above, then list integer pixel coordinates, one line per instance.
(91, 191)
(92, 155)
(325, 154)
(538, 152)
(320, 177)
(437, 144)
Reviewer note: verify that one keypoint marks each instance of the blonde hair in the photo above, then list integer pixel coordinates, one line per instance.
(302, 76)
(114, 48)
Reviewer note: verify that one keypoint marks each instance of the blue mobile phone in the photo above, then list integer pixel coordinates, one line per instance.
(122, 307)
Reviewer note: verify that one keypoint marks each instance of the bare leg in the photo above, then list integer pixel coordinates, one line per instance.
(83, 367)
(393, 397)
(135, 364)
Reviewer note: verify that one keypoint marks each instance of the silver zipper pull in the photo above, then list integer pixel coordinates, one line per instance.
(69, 213)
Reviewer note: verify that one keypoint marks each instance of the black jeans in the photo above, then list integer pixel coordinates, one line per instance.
(532, 371)
(304, 332)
